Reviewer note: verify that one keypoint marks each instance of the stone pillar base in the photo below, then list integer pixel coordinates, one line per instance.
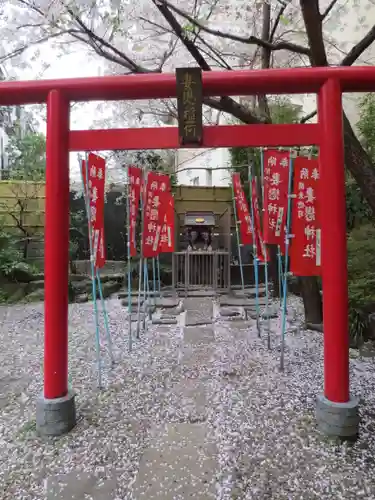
(338, 419)
(55, 417)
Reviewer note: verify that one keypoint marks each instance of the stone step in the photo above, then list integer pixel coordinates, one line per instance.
(165, 302)
(198, 293)
(164, 321)
(198, 311)
(179, 463)
(250, 292)
(241, 301)
(199, 335)
(134, 301)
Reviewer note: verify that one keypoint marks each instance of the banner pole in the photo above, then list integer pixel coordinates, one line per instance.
(286, 264)
(280, 272)
(266, 310)
(238, 239)
(142, 204)
(255, 251)
(105, 315)
(158, 271)
(128, 222)
(154, 276)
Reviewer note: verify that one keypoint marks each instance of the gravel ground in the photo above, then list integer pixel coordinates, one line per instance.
(261, 421)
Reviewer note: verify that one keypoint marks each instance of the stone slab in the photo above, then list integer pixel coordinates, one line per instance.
(134, 301)
(164, 321)
(229, 312)
(199, 335)
(166, 302)
(241, 301)
(249, 292)
(80, 486)
(191, 395)
(199, 293)
(199, 311)
(177, 464)
(193, 357)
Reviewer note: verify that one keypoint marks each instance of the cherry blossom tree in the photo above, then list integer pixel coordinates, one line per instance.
(159, 35)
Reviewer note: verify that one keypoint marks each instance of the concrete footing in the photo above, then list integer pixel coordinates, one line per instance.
(338, 419)
(55, 417)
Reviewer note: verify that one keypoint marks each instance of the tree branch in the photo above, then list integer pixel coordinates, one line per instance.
(277, 22)
(97, 43)
(180, 33)
(228, 105)
(225, 104)
(314, 29)
(355, 52)
(328, 9)
(251, 40)
(265, 57)
(358, 49)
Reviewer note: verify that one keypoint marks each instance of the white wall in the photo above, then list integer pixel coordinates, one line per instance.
(202, 167)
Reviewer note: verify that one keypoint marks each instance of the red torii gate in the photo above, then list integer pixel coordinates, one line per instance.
(337, 413)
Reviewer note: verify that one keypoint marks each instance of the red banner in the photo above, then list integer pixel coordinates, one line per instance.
(276, 177)
(305, 251)
(135, 184)
(242, 209)
(154, 212)
(262, 252)
(95, 191)
(167, 231)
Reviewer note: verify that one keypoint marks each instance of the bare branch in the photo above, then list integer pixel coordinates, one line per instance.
(23, 48)
(251, 40)
(225, 104)
(355, 52)
(328, 9)
(265, 57)
(216, 55)
(97, 43)
(228, 105)
(180, 33)
(308, 117)
(358, 49)
(276, 23)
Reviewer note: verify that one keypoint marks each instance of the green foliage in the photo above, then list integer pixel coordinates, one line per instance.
(10, 256)
(366, 124)
(13, 267)
(27, 156)
(361, 278)
(357, 208)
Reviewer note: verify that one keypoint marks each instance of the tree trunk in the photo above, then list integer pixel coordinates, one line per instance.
(312, 301)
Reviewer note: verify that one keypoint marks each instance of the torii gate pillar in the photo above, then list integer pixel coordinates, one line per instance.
(337, 412)
(55, 414)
